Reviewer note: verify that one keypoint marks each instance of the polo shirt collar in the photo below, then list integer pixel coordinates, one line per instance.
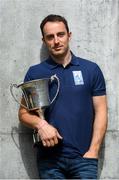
(52, 64)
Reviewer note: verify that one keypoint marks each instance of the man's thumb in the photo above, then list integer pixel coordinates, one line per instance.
(59, 136)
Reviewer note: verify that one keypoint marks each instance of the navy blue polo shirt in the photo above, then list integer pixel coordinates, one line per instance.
(72, 112)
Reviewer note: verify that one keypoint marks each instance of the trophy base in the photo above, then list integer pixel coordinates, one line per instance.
(36, 139)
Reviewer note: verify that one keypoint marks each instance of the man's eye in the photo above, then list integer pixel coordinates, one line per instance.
(61, 34)
(50, 37)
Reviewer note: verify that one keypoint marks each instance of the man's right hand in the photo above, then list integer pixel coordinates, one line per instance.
(49, 135)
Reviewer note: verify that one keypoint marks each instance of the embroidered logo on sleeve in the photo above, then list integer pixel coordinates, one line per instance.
(78, 78)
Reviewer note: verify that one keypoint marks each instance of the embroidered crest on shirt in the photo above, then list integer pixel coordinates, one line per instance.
(78, 78)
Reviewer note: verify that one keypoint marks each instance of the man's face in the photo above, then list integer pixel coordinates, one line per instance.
(56, 38)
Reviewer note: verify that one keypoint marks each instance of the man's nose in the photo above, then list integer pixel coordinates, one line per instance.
(56, 39)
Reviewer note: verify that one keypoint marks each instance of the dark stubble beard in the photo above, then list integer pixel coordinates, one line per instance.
(60, 56)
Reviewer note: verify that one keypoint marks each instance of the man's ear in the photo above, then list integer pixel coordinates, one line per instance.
(70, 35)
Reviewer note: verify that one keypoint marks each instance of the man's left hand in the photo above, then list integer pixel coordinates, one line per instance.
(91, 154)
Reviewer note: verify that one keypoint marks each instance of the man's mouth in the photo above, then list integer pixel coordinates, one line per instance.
(57, 47)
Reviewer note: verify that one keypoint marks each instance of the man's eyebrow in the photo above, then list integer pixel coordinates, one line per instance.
(62, 32)
(49, 34)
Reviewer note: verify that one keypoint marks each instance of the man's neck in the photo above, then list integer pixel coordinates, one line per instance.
(64, 60)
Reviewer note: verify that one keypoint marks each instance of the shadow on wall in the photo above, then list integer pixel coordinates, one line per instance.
(101, 160)
(28, 152)
(43, 53)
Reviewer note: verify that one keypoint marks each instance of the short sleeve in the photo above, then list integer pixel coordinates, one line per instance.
(98, 83)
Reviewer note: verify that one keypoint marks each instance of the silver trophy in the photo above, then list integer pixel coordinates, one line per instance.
(36, 96)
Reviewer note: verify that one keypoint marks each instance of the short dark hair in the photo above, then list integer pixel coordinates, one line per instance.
(53, 18)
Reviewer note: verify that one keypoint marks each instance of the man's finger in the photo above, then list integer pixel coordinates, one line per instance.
(59, 136)
(48, 143)
(44, 143)
(55, 140)
(52, 142)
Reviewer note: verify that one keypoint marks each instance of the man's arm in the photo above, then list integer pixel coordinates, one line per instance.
(99, 127)
(48, 134)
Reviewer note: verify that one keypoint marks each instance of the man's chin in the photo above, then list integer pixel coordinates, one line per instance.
(58, 54)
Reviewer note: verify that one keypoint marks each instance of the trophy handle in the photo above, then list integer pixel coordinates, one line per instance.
(54, 77)
(11, 90)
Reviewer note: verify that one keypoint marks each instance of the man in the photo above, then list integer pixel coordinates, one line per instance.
(75, 124)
